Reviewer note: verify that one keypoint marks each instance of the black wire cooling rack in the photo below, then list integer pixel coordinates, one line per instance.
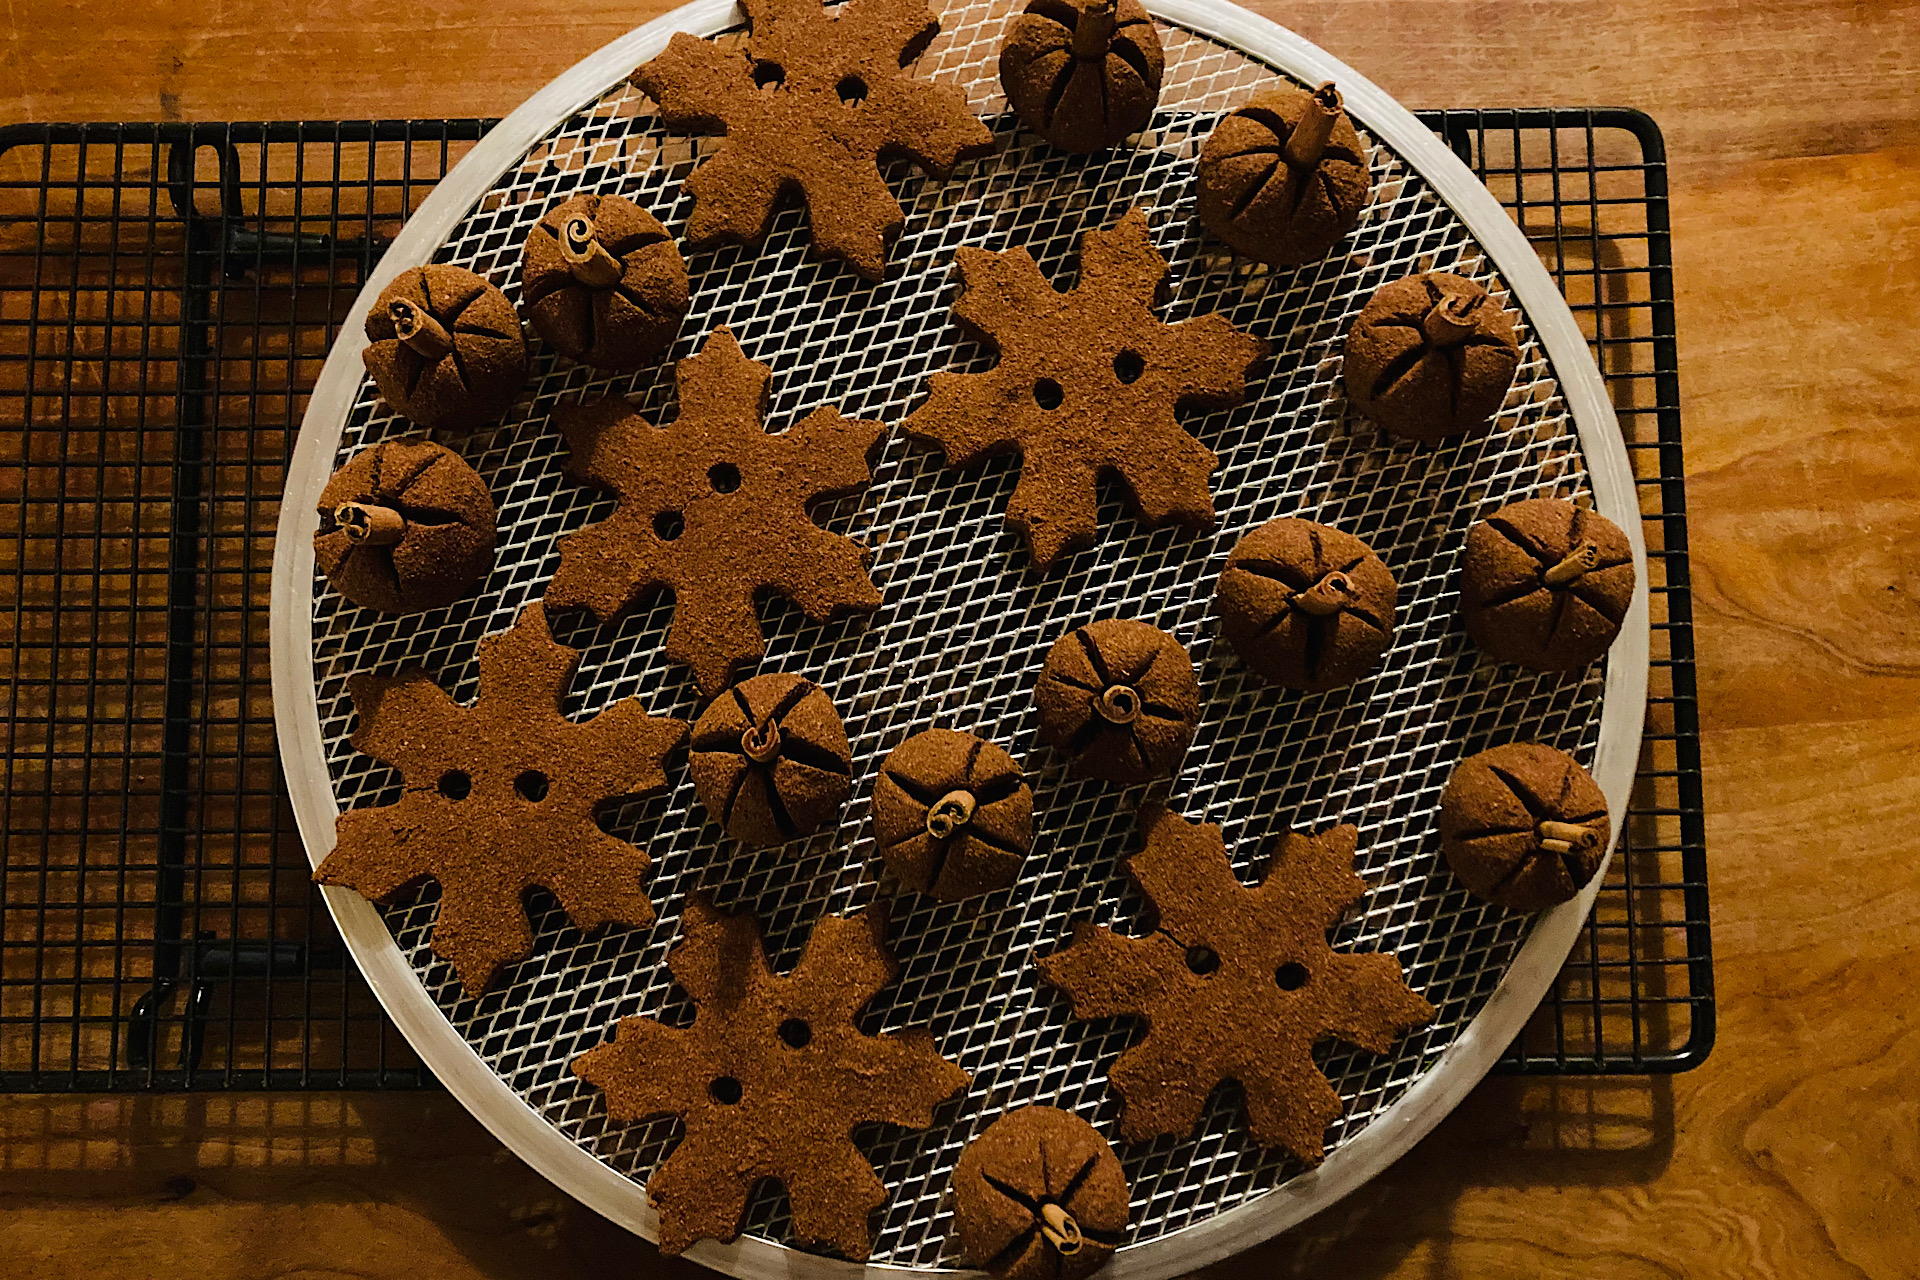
(168, 293)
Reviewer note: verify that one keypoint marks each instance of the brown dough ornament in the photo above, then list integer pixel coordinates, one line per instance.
(771, 1078)
(811, 105)
(498, 797)
(1431, 356)
(1545, 584)
(1120, 699)
(770, 760)
(446, 348)
(1039, 1196)
(1285, 177)
(953, 816)
(405, 525)
(1088, 384)
(1237, 984)
(714, 508)
(1306, 606)
(1524, 825)
(603, 283)
(1083, 74)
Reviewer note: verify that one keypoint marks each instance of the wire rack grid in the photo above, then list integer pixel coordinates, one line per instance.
(167, 294)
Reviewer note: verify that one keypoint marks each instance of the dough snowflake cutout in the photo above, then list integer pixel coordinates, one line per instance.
(1238, 983)
(714, 508)
(811, 105)
(499, 797)
(771, 1078)
(1088, 383)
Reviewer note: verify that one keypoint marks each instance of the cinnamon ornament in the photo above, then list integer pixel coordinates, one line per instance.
(952, 814)
(1431, 356)
(1039, 1196)
(1083, 74)
(1545, 584)
(1524, 825)
(1119, 698)
(405, 525)
(1285, 177)
(603, 283)
(445, 348)
(770, 760)
(1306, 606)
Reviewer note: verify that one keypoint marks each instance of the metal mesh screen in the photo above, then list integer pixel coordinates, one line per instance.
(964, 627)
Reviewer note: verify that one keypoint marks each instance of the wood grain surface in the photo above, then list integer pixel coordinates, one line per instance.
(1794, 129)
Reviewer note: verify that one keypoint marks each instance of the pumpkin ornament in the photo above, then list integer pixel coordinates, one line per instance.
(1039, 1196)
(952, 815)
(1431, 356)
(603, 283)
(1083, 74)
(1285, 177)
(1306, 606)
(1524, 825)
(770, 760)
(445, 348)
(405, 526)
(1545, 584)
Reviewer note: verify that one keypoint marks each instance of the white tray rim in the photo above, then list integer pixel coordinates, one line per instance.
(518, 1126)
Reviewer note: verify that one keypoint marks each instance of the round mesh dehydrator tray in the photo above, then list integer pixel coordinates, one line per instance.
(963, 629)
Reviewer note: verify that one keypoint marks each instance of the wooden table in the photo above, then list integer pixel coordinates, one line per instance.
(1794, 129)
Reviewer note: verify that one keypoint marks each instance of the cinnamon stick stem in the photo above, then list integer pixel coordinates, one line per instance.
(761, 743)
(1093, 32)
(370, 523)
(424, 335)
(1308, 141)
(1452, 320)
(1579, 561)
(585, 256)
(1571, 834)
(1059, 1229)
(1327, 596)
(1119, 704)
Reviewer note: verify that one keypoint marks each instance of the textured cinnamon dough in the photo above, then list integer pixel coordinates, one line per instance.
(1238, 983)
(1039, 1196)
(499, 797)
(1306, 606)
(1545, 584)
(770, 759)
(445, 348)
(1083, 74)
(1088, 384)
(1431, 356)
(771, 1078)
(446, 528)
(1524, 825)
(714, 508)
(1285, 177)
(603, 283)
(953, 816)
(814, 102)
(1120, 699)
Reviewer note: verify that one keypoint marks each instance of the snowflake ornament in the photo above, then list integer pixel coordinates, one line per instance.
(771, 1078)
(499, 797)
(714, 508)
(811, 105)
(1237, 983)
(1089, 383)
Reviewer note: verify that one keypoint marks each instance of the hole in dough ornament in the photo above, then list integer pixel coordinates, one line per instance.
(770, 760)
(1431, 356)
(1039, 1196)
(405, 525)
(1120, 699)
(446, 348)
(1282, 179)
(1083, 74)
(1545, 584)
(1306, 606)
(1524, 825)
(1240, 1019)
(602, 282)
(952, 814)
